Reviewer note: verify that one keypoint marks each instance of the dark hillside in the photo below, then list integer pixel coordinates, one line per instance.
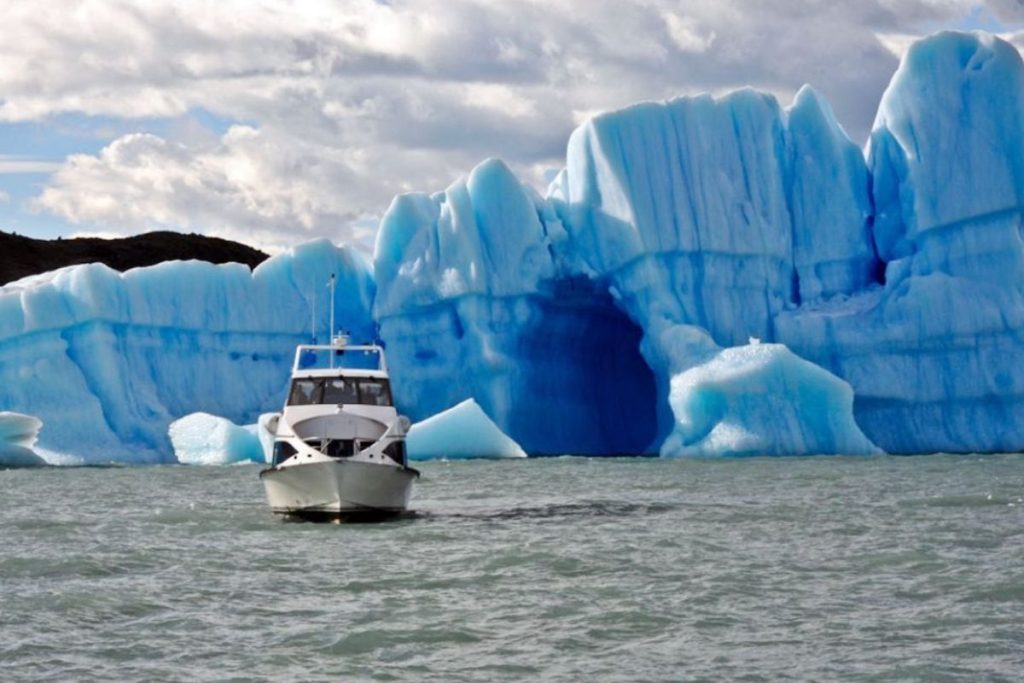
(24, 256)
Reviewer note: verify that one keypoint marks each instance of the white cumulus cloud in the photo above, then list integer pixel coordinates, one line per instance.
(250, 185)
(342, 104)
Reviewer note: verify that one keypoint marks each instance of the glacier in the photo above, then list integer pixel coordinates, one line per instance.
(473, 302)
(894, 275)
(706, 276)
(108, 360)
(934, 355)
(460, 433)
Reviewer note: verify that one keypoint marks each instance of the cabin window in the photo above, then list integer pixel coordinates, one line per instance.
(341, 448)
(396, 451)
(368, 391)
(282, 451)
(305, 392)
(340, 390)
(374, 392)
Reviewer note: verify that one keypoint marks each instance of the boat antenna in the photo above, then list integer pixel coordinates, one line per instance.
(330, 336)
(312, 322)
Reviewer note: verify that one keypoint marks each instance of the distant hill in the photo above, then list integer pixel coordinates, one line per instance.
(24, 256)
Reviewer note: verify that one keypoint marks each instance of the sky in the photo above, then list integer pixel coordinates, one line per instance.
(275, 122)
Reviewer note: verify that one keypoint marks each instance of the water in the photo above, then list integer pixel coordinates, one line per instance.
(568, 569)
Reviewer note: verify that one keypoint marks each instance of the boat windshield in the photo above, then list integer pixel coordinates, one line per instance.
(319, 358)
(367, 391)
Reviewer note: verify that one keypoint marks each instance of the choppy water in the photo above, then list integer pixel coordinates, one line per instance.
(566, 569)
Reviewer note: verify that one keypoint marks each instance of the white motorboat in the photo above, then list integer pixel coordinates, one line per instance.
(339, 444)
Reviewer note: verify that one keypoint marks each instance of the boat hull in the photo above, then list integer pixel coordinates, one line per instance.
(339, 489)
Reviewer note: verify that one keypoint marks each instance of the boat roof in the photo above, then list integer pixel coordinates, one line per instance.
(339, 359)
(339, 372)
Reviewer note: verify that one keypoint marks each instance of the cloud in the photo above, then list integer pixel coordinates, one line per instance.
(4, 197)
(346, 103)
(20, 165)
(249, 185)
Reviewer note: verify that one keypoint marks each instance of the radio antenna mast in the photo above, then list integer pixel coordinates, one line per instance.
(312, 322)
(332, 285)
(330, 336)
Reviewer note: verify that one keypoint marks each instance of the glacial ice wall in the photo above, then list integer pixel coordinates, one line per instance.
(708, 218)
(617, 313)
(107, 360)
(473, 302)
(713, 221)
(935, 356)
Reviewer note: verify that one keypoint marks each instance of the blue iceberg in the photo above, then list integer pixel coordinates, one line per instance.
(473, 301)
(204, 439)
(711, 221)
(460, 433)
(108, 360)
(761, 399)
(613, 314)
(18, 436)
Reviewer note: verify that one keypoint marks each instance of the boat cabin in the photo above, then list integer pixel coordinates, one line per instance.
(339, 375)
(343, 390)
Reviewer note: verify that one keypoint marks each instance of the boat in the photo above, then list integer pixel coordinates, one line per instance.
(339, 443)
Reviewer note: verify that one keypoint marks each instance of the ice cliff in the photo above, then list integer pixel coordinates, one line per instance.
(935, 355)
(475, 302)
(706, 276)
(108, 360)
(711, 221)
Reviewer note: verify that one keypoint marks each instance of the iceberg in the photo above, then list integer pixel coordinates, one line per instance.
(265, 430)
(204, 439)
(934, 355)
(460, 433)
(473, 302)
(613, 314)
(18, 436)
(708, 221)
(108, 360)
(762, 399)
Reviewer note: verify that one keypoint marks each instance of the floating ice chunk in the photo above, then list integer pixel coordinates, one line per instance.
(18, 434)
(12, 455)
(762, 399)
(204, 439)
(18, 429)
(459, 433)
(265, 430)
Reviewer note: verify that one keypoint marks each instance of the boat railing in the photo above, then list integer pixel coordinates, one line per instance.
(339, 355)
